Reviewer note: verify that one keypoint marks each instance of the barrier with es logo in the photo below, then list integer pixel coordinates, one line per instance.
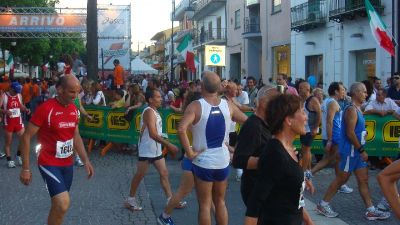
(110, 125)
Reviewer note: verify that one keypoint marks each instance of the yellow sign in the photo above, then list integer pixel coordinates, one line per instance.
(97, 119)
(117, 121)
(370, 126)
(391, 131)
(137, 122)
(173, 123)
(215, 55)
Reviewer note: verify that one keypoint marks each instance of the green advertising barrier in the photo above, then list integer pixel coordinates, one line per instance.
(110, 125)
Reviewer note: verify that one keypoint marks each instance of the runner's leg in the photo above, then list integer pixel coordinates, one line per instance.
(164, 180)
(218, 197)
(185, 187)
(142, 167)
(204, 198)
(59, 207)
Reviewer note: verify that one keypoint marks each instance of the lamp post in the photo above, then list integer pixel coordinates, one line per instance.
(172, 40)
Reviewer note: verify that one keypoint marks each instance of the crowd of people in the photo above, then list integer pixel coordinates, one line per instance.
(273, 173)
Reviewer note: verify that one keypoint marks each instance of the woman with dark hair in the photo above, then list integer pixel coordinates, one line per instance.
(277, 197)
(68, 64)
(177, 105)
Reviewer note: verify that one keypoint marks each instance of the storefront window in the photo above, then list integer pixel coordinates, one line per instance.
(281, 62)
(365, 64)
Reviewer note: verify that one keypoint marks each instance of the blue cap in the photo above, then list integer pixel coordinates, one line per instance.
(16, 87)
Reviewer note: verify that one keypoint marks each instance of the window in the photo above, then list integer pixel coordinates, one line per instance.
(237, 19)
(276, 6)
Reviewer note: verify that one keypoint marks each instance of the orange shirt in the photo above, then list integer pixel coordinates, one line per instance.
(118, 75)
(44, 86)
(26, 93)
(5, 86)
(36, 90)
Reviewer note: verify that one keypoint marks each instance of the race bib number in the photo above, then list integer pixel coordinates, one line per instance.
(64, 149)
(363, 136)
(15, 113)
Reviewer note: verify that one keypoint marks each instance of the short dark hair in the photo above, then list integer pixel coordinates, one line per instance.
(279, 108)
(116, 61)
(284, 76)
(150, 93)
(252, 78)
(334, 86)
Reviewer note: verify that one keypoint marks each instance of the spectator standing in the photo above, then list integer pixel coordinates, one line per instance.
(281, 79)
(252, 91)
(242, 96)
(118, 74)
(99, 98)
(381, 106)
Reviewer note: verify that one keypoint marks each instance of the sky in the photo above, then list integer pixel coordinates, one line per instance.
(148, 17)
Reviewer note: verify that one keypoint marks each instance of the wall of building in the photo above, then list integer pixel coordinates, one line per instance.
(339, 45)
(277, 33)
(234, 39)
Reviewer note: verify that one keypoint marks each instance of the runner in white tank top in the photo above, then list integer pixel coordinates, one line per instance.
(148, 147)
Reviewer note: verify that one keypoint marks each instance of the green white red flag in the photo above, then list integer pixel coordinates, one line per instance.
(186, 50)
(379, 30)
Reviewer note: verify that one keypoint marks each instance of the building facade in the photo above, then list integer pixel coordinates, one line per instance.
(332, 40)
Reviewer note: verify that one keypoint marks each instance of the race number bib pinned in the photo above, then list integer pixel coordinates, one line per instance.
(15, 113)
(64, 149)
(363, 137)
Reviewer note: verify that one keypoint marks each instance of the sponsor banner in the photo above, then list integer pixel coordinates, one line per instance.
(110, 125)
(114, 49)
(42, 23)
(113, 21)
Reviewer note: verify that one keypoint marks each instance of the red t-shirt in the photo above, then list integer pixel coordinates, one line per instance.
(177, 103)
(13, 104)
(57, 126)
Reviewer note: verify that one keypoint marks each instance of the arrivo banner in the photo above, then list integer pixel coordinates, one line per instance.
(43, 23)
(110, 125)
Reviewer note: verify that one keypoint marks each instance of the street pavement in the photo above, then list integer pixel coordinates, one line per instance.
(99, 201)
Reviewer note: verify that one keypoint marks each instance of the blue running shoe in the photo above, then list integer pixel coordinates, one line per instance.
(162, 221)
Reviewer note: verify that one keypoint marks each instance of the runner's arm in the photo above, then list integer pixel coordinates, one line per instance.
(351, 121)
(24, 148)
(188, 119)
(150, 120)
(237, 115)
(80, 149)
(317, 108)
(332, 109)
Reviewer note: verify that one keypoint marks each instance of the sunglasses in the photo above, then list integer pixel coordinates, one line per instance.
(396, 78)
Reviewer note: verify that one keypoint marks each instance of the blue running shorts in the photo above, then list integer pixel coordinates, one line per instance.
(58, 179)
(210, 175)
(349, 164)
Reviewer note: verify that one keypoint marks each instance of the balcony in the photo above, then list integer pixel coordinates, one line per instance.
(180, 10)
(210, 37)
(348, 9)
(252, 27)
(309, 15)
(250, 3)
(160, 48)
(206, 7)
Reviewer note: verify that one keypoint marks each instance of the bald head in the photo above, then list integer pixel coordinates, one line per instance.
(211, 82)
(67, 81)
(356, 87)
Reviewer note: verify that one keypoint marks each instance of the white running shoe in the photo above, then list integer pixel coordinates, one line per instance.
(345, 189)
(2, 154)
(377, 214)
(326, 211)
(10, 164)
(132, 204)
(19, 160)
(181, 205)
(383, 205)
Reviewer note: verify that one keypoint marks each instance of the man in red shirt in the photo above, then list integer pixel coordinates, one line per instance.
(12, 106)
(56, 122)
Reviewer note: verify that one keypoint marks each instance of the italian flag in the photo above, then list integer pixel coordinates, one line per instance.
(186, 50)
(10, 63)
(378, 29)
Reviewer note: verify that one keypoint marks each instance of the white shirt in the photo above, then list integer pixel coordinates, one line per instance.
(243, 98)
(60, 67)
(387, 105)
(148, 147)
(99, 97)
(243, 82)
(210, 135)
(144, 85)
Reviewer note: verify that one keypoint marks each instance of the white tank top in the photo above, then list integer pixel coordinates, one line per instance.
(148, 147)
(211, 133)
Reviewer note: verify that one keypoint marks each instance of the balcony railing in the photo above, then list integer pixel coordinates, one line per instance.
(309, 15)
(205, 7)
(216, 35)
(252, 25)
(348, 9)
